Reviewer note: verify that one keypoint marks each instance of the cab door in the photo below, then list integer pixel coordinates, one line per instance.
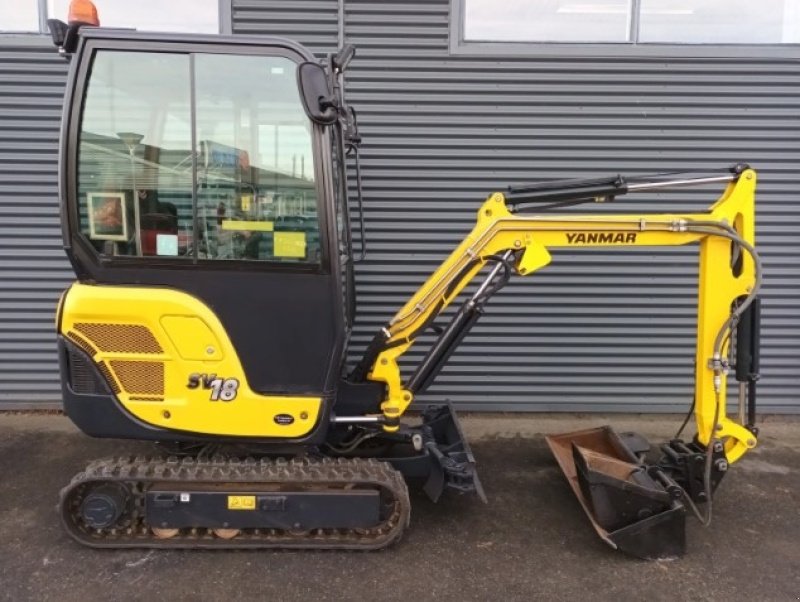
(190, 164)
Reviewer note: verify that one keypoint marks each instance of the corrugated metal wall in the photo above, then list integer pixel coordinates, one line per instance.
(33, 267)
(598, 329)
(314, 23)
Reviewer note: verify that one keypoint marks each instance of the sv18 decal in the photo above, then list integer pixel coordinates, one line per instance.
(222, 389)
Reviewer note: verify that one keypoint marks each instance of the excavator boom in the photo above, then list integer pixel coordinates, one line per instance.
(729, 279)
(634, 506)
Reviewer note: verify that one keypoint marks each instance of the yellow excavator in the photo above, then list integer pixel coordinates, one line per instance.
(205, 211)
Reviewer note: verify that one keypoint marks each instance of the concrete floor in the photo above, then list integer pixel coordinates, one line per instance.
(531, 541)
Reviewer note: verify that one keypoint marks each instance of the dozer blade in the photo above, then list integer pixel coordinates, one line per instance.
(453, 465)
(445, 460)
(633, 507)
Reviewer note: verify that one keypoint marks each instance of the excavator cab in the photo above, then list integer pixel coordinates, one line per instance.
(192, 166)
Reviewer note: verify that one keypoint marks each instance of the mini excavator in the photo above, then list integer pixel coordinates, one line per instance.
(205, 212)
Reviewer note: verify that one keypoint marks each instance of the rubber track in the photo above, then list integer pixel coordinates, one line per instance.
(140, 473)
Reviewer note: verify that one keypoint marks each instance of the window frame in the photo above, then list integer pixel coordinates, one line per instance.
(189, 45)
(458, 45)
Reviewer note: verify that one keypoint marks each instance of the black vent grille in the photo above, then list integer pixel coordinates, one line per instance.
(82, 376)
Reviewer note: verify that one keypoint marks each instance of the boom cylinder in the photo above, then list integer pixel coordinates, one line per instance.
(466, 317)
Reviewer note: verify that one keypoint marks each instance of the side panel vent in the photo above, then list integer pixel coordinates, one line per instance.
(82, 343)
(82, 377)
(120, 338)
(112, 382)
(140, 378)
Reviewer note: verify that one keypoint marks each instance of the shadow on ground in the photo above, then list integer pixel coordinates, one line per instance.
(531, 541)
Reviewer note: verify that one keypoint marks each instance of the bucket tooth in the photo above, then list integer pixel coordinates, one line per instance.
(626, 502)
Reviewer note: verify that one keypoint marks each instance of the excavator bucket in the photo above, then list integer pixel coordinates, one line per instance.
(633, 507)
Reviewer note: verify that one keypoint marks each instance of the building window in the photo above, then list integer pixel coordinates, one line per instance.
(632, 21)
(19, 16)
(720, 21)
(193, 16)
(547, 21)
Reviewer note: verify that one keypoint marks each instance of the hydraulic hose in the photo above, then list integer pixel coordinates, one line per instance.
(724, 230)
(705, 519)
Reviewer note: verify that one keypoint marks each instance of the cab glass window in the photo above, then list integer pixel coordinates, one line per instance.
(135, 155)
(221, 172)
(256, 195)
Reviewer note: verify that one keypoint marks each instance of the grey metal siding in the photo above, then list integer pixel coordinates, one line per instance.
(598, 329)
(314, 23)
(33, 267)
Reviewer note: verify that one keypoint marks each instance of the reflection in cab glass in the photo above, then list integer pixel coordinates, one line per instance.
(245, 191)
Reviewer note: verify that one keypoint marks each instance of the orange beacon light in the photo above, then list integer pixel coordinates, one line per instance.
(83, 12)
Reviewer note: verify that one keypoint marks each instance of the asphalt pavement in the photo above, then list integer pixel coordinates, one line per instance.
(530, 542)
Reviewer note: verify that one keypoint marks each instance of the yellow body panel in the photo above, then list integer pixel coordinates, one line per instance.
(149, 342)
(192, 338)
(498, 230)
